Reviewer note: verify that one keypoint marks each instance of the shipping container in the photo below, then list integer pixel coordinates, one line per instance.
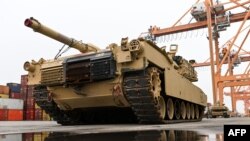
(15, 115)
(4, 89)
(29, 114)
(27, 92)
(11, 137)
(11, 115)
(30, 103)
(24, 80)
(28, 136)
(16, 104)
(15, 95)
(24, 91)
(4, 96)
(3, 114)
(30, 92)
(38, 114)
(24, 87)
(14, 87)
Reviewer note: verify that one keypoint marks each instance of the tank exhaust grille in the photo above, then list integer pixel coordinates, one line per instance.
(52, 76)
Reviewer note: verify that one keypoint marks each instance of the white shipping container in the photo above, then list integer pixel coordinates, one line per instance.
(11, 104)
(11, 137)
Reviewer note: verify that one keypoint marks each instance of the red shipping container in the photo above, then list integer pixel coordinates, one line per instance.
(38, 114)
(28, 137)
(29, 114)
(15, 95)
(24, 80)
(3, 114)
(24, 91)
(15, 115)
(30, 91)
(30, 103)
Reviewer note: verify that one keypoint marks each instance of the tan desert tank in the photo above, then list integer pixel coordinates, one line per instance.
(218, 110)
(134, 81)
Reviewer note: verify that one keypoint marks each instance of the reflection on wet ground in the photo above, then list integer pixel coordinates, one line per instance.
(169, 135)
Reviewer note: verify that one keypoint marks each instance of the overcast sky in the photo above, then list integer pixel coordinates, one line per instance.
(100, 22)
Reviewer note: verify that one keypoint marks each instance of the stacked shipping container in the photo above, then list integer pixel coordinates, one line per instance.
(11, 137)
(14, 90)
(29, 102)
(11, 109)
(17, 102)
(24, 137)
(4, 91)
(32, 111)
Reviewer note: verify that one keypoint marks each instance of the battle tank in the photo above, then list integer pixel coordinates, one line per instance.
(135, 81)
(218, 110)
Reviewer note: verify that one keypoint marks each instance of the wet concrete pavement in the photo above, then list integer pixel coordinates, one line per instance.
(213, 126)
(206, 130)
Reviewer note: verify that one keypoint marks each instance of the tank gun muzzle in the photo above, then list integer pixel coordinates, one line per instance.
(38, 27)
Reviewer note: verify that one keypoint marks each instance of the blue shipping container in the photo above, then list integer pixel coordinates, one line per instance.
(14, 87)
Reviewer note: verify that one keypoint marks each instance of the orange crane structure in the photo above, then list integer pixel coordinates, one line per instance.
(243, 95)
(216, 17)
(237, 93)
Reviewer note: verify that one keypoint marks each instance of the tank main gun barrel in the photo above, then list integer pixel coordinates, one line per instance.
(38, 27)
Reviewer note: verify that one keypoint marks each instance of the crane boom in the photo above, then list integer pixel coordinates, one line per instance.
(204, 64)
(193, 26)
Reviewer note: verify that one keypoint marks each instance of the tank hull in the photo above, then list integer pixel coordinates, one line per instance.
(93, 90)
(98, 94)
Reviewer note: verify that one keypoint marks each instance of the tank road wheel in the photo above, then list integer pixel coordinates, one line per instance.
(155, 88)
(170, 108)
(197, 112)
(188, 110)
(201, 112)
(177, 109)
(192, 111)
(183, 110)
(162, 107)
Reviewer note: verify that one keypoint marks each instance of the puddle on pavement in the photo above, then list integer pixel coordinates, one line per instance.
(169, 135)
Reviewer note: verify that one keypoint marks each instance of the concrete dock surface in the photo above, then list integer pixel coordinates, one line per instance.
(213, 126)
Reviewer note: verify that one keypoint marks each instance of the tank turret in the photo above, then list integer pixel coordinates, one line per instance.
(38, 27)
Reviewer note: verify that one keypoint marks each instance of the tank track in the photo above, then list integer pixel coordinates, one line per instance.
(41, 95)
(137, 91)
(136, 87)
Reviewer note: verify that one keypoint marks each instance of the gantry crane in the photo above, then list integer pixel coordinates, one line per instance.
(243, 56)
(236, 93)
(243, 95)
(215, 17)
